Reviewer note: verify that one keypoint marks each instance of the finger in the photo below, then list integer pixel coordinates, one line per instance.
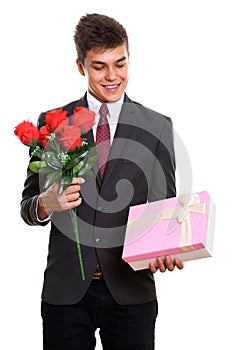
(75, 204)
(72, 189)
(71, 197)
(153, 267)
(179, 264)
(161, 265)
(169, 264)
(78, 180)
(66, 205)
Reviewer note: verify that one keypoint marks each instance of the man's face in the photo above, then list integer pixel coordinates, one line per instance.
(107, 73)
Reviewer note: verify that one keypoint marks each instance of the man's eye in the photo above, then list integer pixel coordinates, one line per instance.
(120, 65)
(98, 68)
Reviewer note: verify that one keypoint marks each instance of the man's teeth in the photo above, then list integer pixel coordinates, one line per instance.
(111, 86)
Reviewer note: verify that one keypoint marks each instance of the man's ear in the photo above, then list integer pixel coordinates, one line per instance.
(80, 67)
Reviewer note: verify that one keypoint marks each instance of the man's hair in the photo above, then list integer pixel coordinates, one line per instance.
(95, 31)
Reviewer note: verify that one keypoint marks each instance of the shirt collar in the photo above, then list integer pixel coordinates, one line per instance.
(113, 107)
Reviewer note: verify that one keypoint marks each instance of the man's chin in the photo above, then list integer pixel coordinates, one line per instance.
(105, 98)
(110, 96)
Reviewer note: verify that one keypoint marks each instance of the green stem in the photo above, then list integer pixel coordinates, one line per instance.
(75, 228)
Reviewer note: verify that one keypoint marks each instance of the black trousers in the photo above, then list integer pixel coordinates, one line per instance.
(122, 327)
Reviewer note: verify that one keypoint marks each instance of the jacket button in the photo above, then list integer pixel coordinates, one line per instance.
(102, 209)
(98, 240)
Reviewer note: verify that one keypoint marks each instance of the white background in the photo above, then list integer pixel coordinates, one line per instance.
(182, 66)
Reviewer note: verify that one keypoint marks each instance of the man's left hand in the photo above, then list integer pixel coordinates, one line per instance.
(163, 264)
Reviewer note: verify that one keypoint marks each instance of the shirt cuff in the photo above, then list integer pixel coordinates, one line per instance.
(45, 220)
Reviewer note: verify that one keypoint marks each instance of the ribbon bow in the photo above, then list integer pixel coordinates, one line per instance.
(190, 204)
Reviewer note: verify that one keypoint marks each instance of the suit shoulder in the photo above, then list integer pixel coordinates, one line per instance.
(152, 114)
(68, 107)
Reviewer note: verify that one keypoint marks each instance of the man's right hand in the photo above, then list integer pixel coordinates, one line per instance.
(50, 200)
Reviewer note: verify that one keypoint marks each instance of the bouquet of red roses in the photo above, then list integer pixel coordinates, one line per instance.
(62, 151)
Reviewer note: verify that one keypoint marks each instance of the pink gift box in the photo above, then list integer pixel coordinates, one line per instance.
(181, 227)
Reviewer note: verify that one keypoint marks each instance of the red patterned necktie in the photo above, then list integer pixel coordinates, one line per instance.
(103, 138)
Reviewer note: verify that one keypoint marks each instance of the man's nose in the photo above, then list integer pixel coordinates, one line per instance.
(111, 74)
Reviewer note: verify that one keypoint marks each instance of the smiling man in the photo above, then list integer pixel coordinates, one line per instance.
(136, 165)
(107, 73)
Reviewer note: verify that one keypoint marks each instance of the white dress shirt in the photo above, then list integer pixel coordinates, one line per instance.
(114, 109)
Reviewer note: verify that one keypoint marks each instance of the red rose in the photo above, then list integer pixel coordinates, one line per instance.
(26, 132)
(69, 136)
(84, 118)
(54, 118)
(44, 133)
(77, 143)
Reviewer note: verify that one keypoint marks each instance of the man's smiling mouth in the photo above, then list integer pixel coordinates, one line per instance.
(111, 87)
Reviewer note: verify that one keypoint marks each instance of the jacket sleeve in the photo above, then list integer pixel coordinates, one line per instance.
(163, 183)
(30, 194)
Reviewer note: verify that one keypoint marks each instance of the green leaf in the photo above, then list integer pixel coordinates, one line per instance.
(91, 145)
(45, 169)
(78, 167)
(38, 152)
(34, 142)
(54, 144)
(73, 162)
(85, 169)
(52, 177)
(78, 153)
(66, 181)
(57, 145)
(35, 166)
(52, 160)
(50, 153)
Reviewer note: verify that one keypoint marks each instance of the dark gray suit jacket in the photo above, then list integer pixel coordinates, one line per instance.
(141, 168)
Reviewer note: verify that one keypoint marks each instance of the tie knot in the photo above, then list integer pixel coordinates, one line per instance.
(103, 110)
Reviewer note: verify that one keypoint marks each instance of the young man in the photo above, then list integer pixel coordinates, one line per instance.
(140, 168)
